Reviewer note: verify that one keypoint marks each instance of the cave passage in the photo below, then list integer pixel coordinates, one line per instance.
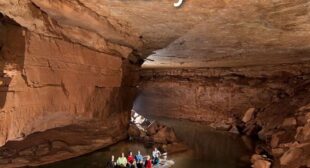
(216, 83)
(216, 149)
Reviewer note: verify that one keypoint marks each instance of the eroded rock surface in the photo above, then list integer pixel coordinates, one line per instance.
(269, 103)
(60, 143)
(217, 94)
(49, 82)
(71, 62)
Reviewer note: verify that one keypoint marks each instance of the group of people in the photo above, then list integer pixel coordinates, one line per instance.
(137, 161)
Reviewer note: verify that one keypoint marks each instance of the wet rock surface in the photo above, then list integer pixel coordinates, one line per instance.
(155, 134)
(59, 144)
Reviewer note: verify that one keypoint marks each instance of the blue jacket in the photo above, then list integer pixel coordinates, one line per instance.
(139, 158)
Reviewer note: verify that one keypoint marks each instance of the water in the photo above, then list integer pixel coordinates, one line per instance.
(210, 149)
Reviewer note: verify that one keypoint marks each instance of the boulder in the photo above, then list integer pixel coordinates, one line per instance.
(277, 152)
(305, 147)
(301, 120)
(152, 129)
(133, 131)
(261, 164)
(305, 108)
(275, 139)
(307, 116)
(289, 122)
(160, 137)
(142, 134)
(259, 161)
(234, 130)
(303, 133)
(265, 134)
(291, 156)
(248, 115)
(171, 137)
(221, 126)
(165, 135)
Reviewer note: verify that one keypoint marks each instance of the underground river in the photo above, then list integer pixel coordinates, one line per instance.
(209, 149)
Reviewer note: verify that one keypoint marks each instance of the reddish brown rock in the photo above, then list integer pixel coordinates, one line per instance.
(134, 131)
(289, 122)
(152, 128)
(276, 139)
(260, 162)
(54, 83)
(277, 152)
(248, 115)
(67, 62)
(291, 156)
(165, 135)
(303, 133)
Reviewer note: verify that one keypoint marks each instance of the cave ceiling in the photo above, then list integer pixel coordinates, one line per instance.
(201, 33)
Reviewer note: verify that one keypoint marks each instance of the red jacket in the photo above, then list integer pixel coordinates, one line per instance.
(130, 159)
(148, 164)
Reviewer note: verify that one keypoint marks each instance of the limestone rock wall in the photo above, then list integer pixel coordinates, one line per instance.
(216, 94)
(50, 82)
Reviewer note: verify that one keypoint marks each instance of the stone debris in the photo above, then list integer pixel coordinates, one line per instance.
(248, 115)
(289, 122)
(154, 133)
(290, 156)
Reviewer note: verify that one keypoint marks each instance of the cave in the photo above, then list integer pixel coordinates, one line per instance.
(215, 83)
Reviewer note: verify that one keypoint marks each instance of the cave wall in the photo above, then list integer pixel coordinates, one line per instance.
(279, 94)
(217, 94)
(49, 82)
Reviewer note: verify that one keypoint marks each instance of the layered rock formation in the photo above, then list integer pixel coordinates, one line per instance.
(272, 102)
(216, 94)
(67, 63)
(49, 82)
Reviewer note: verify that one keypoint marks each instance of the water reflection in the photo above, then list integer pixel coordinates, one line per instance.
(210, 149)
(214, 149)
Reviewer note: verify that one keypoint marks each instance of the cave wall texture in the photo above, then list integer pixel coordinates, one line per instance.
(217, 94)
(49, 82)
(67, 62)
(278, 95)
(62, 64)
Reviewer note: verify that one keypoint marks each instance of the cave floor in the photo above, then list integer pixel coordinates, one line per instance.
(59, 144)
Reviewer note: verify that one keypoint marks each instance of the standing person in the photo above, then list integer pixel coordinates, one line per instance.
(156, 153)
(111, 163)
(139, 160)
(121, 161)
(130, 160)
(148, 162)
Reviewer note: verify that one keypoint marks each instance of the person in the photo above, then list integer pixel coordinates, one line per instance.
(111, 163)
(121, 161)
(156, 154)
(148, 162)
(130, 160)
(139, 160)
